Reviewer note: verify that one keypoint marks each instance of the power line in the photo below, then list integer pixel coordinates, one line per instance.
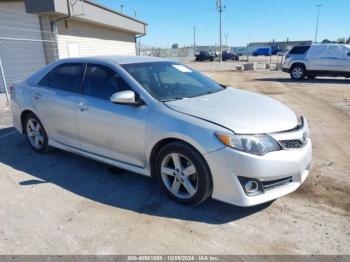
(188, 11)
(180, 15)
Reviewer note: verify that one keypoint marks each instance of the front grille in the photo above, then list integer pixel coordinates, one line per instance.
(268, 185)
(290, 144)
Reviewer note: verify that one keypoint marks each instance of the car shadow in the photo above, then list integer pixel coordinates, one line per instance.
(317, 80)
(109, 186)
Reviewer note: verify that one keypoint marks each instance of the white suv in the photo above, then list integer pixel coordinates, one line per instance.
(318, 60)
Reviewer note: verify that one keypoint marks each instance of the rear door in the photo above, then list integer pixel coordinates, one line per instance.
(323, 58)
(114, 131)
(54, 100)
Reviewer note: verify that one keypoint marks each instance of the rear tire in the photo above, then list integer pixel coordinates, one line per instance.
(298, 72)
(36, 134)
(183, 174)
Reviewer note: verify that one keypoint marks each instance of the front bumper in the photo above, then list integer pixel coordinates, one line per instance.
(227, 164)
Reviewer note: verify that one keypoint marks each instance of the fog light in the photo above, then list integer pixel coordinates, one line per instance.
(251, 187)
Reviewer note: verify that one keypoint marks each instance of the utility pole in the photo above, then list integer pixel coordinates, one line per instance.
(318, 16)
(226, 36)
(220, 8)
(194, 40)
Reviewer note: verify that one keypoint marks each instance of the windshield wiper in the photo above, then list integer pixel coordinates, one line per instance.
(181, 97)
(173, 99)
(212, 92)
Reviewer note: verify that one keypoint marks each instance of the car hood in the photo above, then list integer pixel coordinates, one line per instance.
(241, 111)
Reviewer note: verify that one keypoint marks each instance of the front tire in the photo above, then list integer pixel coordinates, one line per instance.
(36, 134)
(298, 72)
(183, 174)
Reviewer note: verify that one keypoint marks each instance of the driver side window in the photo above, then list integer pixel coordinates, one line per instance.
(102, 82)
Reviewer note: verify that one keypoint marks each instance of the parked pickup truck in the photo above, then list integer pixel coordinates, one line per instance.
(229, 56)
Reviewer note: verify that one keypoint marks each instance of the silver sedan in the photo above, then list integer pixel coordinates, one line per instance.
(160, 118)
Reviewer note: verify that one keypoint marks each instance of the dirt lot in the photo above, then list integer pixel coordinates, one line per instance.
(60, 203)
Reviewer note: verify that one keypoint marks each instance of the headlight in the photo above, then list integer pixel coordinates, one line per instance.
(253, 144)
(302, 123)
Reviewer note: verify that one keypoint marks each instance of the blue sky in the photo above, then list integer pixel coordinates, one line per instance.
(172, 21)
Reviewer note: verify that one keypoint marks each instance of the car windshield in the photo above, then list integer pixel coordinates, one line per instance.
(167, 81)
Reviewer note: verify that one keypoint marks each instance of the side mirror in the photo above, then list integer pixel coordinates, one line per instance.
(125, 97)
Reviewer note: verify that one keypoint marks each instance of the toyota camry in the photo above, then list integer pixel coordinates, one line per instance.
(162, 119)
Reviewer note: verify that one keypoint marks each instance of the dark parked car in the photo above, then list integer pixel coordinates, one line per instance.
(204, 55)
(229, 56)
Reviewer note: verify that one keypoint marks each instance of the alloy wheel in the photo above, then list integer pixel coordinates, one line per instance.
(297, 72)
(179, 175)
(35, 133)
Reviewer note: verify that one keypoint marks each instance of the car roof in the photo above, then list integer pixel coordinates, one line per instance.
(330, 44)
(122, 60)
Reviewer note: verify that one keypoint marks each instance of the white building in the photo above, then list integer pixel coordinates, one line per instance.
(34, 33)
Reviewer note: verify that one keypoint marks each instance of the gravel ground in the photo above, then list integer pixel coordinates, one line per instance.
(60, 203)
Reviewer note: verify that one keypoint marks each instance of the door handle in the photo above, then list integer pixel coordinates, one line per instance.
(37, 96)
(82, 106)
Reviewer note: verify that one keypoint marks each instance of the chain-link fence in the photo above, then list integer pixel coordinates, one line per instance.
(186, 55)
(25, 46)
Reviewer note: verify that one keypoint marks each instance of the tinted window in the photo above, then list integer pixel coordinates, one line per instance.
(299, 50)
(170, 81)
(102, 81)
(66, 77)
(45, 81)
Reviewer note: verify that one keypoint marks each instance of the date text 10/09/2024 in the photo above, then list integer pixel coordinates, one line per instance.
(173, 258)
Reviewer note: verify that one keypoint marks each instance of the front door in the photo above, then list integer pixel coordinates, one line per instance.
(110, 130)
(343, 62)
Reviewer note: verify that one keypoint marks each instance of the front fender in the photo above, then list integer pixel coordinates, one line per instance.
(174, 125)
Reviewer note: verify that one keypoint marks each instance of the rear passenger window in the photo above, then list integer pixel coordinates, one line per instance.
(66, 77)
(299, 50)
(45, 81)
(102, 82)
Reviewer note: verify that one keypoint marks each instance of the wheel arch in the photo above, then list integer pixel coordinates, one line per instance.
(166, 141)
(298, 63)
(24, 114)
